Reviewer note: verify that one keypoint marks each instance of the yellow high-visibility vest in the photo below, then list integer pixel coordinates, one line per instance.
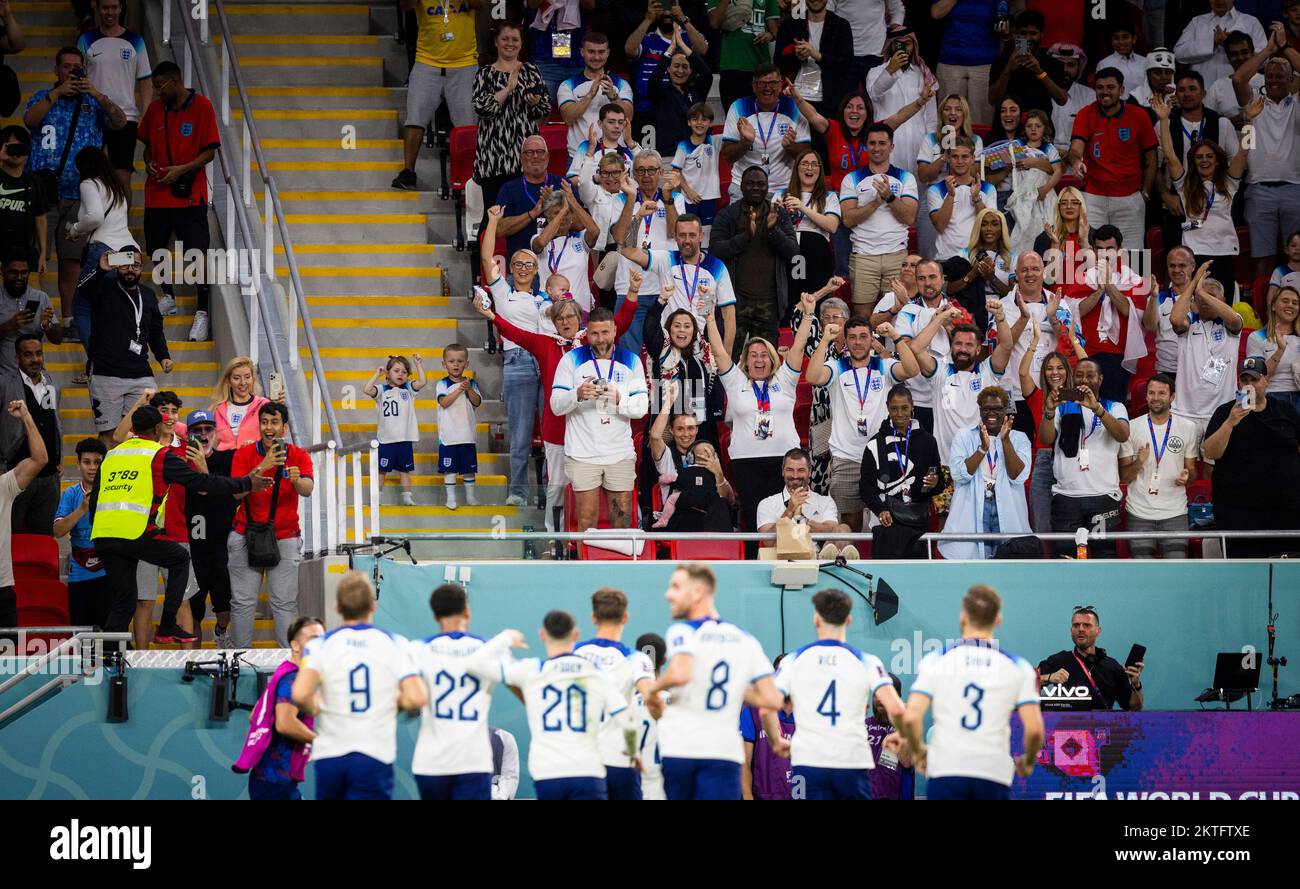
(127, 501)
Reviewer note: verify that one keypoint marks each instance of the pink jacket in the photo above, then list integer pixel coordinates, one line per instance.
(261, 729)
(249, 431)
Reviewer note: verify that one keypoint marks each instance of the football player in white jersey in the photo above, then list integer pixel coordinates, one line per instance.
(631, 672)
(832, 685)
(453, 753)
(567, 699)
(975, 686)
(355, 678)
(715, 668)
(653, 646)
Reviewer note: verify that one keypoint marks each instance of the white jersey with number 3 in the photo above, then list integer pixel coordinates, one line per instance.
(974, 687)
(700, 722)
(360, 667)
(831, 684)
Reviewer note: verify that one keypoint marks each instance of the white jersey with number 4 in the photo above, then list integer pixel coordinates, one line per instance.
(453, 737)
(625, 667)
(831, 684)
(360, 667)
(567, 698)
(701, 719)
(974, 687)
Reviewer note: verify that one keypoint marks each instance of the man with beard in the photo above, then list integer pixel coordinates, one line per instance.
(127, 327)
(1078, 95)
(647, 45)
(1159, 75)
(15, 318)
(912, 318)
(956, 381)
(815, 52)
(1157, 473)
(33, 509)
(1087, 434)
(1220, 94)
(756, 240)
(1273, 181)
(1085, 664)
(859, 383)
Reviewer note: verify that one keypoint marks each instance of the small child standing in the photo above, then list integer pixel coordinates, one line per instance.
(696, 165)
(397, 428)
(458, 397)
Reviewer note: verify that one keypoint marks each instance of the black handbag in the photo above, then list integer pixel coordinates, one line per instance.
(916, 514)
(50, 178)
(259, 537)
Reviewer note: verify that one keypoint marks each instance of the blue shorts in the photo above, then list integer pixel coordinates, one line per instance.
(449, 787)
(701, 778)
(398, 456)
(259, 789)
(822, 783)
(353, 776)
(461, 459)
(623, 783)
(706, 210)
(960, 787)
(571, 789)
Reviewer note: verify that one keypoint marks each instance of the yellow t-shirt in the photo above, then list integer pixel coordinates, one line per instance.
(438, 18)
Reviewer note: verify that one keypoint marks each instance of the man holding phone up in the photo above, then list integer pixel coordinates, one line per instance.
(1025, 71)
(23, 309)
(1107, 682)
(289, 468)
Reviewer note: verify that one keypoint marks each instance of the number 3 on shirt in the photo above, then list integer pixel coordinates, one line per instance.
(975, 695)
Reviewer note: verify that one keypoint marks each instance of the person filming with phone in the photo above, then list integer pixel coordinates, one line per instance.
(1085, 666)
(266, 538)
(1254, 442)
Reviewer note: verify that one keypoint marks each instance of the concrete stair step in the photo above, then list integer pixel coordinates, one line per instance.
(362, 281)
(362, 410)
(45, 14)
(320, 71)
(413, 334)
(302, 97)
(331, 148)
(380, 200)
(299, 18)
(353, 432)
(250, 46)
(487, 373)
(355, 255)
(364, 307)
(324, 123)
(350, 228)
(319, 175)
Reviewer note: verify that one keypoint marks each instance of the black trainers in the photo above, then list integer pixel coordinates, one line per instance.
(173, 634)
(405, 180)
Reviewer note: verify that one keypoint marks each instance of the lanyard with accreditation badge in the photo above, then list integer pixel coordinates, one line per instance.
(864, 392)
(595, 362)
(763, 426)
(1083, 445)
(1154, 487)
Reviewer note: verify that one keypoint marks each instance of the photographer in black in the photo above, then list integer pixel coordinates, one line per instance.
(209, 517)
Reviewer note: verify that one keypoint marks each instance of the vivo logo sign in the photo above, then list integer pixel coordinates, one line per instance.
(1056, 692)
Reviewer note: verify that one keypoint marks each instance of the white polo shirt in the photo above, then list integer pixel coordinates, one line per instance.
(817, 508)
(858, 396)
(910, 321)
(568, 255)
(1207, 368)
(576, 88)
(1174, 441)
(801, 221)
(1046, 341)
(956, 235)
(1101, 478)
(955, 397)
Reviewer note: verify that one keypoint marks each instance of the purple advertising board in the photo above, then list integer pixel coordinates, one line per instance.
(1179, 755)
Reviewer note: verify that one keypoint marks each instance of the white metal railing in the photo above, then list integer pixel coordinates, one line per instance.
(72, 647)
(239, 228)
(361, 483)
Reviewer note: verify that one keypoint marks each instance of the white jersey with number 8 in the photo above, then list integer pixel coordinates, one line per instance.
(701, 719)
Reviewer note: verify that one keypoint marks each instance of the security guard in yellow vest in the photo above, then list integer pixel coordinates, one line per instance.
(127, 507)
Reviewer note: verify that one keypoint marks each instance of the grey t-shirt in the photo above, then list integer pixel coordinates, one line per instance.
(9, 307)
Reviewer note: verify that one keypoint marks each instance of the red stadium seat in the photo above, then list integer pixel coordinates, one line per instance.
(693, 549)
(981, 129)
(571, 512)
(724, 171)
(34, 592)
(596, 554)
(461, 146)
(1259, 297)
(1155, 243)
(35, 556)
(557, 140)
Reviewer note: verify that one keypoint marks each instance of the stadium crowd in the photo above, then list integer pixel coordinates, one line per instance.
(932, 270)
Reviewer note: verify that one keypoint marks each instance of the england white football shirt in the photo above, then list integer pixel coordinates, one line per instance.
(453, 737)
(625, 667)
(576, 88)
(360, 667)
(700, 720)
(832, 684)
(974, 688)
(858, 408)
(568, 699)
(955, 396)
(396, 407)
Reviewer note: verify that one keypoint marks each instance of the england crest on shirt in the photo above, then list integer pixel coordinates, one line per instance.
(126, 55)
(976, 384)
(1124, 133)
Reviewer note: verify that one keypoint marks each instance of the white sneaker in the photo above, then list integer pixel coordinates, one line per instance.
(850, 552)
(451, 498)
(199, 329)
(408, 498)
(828, 552)
(167, 305)
(515, 500)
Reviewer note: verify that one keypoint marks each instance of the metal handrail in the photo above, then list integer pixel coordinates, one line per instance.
(934, 536)
(242, 218)
(36, 664)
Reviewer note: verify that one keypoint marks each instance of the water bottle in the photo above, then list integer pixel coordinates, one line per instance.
(1003, 24)
(1081, 543)
(530, 551)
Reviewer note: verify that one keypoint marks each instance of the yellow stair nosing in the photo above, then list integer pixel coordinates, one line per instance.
(308, 39)
(362, 271)
(315, 249)
(335, 166)
(331, 143)
(428, 323)
(298, 9)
